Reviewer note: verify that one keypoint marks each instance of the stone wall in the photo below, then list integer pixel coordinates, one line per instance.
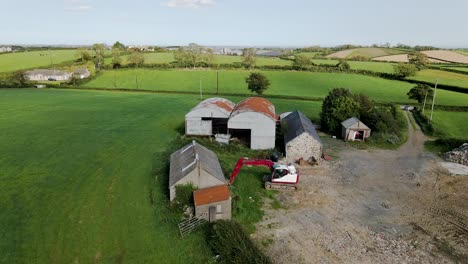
(458, 155)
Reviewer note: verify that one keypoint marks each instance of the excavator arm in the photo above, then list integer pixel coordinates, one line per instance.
(242, 161)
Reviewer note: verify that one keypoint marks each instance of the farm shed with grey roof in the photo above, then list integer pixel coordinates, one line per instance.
(194, 164)
(353, 129)
(254, 121)
(209, 117)
(300, 138)
(81, 73)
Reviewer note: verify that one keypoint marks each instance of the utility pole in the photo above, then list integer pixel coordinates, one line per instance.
(201, 90)
(433, 99)
(425, 98)
(217, 82)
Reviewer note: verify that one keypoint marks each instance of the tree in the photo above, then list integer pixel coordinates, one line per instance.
(249, 57)
(404, 70)
(116, 59)
(83, 55)
(418, 59)
(118, 45)
(190, 56)
(301, 62)
(343, 65)
(99, 50)
(136, 59)
(419, 93)
(338, 106)
(209, 56)
(257, 82)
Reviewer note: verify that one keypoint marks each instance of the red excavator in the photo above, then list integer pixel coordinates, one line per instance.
(282, 176)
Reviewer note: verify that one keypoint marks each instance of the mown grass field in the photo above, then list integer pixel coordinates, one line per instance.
(84, 177)
(448, 78)
(451, 124)
(288, 83)
(365, 52)
(311, 54)
(30, 59)
(260, 61)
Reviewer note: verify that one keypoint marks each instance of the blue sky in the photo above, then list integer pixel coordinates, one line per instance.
(240, 22)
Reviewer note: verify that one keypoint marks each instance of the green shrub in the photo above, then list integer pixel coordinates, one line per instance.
(230, 241)
(423, 122)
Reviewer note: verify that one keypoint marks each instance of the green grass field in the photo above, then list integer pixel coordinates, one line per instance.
(366, 52)
(311, 54)
(30, 59)
(83, 178)
(260, 61)
(464, 69)
(451, 124)
(303, 84)
(448, 78)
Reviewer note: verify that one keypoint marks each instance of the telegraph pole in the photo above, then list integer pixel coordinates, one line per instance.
(425, 98)
(433, 99)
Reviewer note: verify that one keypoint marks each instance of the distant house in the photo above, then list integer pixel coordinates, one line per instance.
(213, 203)
(81, 73)
(197, 165)
(300, 138)
(47, 75)
(353, 129)
(5, 49)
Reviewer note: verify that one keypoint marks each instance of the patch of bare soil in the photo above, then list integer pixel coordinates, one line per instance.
(369, 206)
(403, 58)
(446, 55)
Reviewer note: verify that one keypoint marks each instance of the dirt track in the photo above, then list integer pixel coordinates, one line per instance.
(371, 206)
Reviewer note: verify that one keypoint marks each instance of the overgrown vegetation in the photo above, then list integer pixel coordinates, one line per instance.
(232, 244)
(386, 121)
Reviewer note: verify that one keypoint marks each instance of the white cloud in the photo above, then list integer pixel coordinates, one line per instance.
(77, 5)
(189, 3)
(79, 8)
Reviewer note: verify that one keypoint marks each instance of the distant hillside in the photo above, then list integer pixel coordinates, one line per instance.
(368, 53)
(435, 56)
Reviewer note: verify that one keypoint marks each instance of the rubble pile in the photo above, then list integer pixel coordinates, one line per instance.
(458, 155)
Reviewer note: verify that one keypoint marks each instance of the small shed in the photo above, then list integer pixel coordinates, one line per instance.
(254, 120)
(300, 138)
(213, 203)
(197, 165)
(353, 129)
(209, 117)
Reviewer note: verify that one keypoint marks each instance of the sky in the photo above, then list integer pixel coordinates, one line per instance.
(291, 23)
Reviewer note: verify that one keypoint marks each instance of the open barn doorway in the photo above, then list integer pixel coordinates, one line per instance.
(244, 136)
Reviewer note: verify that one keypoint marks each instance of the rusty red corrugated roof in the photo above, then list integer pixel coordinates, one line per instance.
(216, 102)
(255, 104)
(211, 195)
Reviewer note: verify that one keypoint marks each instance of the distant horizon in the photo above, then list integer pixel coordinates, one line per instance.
(221, 46)
(259, 23)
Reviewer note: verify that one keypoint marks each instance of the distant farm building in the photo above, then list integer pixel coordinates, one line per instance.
(353, 129)
(209, 117)
(5, 49)
(254, 120)
(81, 73)
(300, 138)
(47, 75)
(213, 203)
(197, 165)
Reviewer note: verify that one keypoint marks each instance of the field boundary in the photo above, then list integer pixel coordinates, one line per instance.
(449, 108)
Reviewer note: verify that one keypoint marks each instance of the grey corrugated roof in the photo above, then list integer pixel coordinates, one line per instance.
(350, 122)
(46, 72)
(81, 71)
(297, 123)
(186, 159)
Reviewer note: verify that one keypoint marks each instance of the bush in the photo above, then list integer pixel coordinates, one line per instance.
(184, 197)
(423, 122)
(230, 241)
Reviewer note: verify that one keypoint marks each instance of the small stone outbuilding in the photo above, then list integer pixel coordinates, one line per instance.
(300, 138)
(213, 203)
(209, 117)
(353, 129)
(197, 165)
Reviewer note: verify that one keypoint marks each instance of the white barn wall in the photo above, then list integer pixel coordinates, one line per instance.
(194, 125)
(263, 128)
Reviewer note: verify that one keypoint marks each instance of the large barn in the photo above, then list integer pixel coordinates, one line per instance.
(300, 138)
(353, 129)
(254, 120)
(197, 165)
(209, 117)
